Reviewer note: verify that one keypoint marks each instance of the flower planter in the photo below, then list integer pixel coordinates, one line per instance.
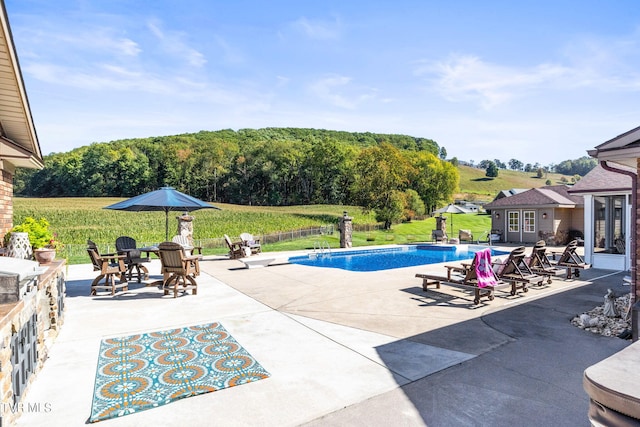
(44, 255)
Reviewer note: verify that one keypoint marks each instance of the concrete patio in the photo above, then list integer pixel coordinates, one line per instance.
(345, 348)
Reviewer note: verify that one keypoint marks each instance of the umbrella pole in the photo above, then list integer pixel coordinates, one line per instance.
(166, 226)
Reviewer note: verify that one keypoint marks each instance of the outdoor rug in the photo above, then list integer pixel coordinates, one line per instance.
(144, 371)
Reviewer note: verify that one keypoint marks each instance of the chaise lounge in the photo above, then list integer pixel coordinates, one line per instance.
(539, 263)
(515, 270)
(570, 260)
(478, 277)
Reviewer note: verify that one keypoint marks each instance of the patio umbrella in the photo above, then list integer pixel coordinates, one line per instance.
(452, 209)
(164, 199)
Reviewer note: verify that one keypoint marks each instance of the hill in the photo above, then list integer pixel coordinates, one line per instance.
(474, 185)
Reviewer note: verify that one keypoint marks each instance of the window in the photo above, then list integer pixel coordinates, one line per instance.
(609, 223)
(514, 222)
(529, 221)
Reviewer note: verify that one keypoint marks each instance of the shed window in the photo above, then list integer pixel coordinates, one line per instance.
(529, 221)
(514, 221)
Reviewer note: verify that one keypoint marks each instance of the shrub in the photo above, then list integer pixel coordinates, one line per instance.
(39, 234)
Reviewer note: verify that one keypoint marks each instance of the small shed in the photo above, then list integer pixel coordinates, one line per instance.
(548, 213)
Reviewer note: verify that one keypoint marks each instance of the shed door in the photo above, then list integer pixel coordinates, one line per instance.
(529, 227)
(513, 226)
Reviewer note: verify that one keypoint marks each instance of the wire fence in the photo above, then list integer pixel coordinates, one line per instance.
(77, 250)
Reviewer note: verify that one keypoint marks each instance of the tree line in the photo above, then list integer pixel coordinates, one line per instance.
(397, 176)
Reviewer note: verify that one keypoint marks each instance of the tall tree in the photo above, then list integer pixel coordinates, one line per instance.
(492, 170)
(515, 165)
(381, 176)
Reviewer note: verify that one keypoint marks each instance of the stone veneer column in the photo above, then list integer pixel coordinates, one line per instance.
(346, 231)
(185, 226)
(6, 202)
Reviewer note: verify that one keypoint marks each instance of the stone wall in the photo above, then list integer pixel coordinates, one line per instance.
(44, 302)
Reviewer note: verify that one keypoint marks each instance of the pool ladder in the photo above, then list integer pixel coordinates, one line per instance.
(319, 247)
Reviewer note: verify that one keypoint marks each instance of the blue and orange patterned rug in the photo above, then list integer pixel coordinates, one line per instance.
(144, 371)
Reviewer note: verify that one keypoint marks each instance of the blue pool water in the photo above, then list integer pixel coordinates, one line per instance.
(388, 258)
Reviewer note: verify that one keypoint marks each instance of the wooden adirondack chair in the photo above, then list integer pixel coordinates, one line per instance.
(110, 266)
(177, 268)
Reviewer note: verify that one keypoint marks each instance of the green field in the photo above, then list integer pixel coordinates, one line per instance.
(77, 219)
(474, 185)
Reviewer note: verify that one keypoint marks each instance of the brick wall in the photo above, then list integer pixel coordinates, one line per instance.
(6, 203)
(636, 218)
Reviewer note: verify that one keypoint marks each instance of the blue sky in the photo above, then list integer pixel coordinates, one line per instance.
(539, 81)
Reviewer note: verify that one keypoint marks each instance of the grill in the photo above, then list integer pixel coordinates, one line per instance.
(17, 278)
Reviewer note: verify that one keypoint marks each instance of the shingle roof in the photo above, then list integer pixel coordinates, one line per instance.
(599, 179)
(509, 193)
(552, 195)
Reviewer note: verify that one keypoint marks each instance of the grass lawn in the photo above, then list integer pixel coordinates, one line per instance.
(77, 219)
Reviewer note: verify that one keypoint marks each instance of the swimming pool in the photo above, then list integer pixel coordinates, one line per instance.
(388, 258)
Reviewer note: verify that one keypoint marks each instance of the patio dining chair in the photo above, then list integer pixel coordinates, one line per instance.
(134, 260)
(110, 266)
(177, 268)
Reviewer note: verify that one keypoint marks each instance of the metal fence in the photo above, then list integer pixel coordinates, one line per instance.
(74, 250)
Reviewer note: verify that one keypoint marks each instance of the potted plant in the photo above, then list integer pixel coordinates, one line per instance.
(43, 241)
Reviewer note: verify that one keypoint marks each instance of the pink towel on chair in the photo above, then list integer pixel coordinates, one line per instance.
(484, 270)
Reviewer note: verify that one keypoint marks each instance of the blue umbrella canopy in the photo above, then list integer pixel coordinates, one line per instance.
(164, 199)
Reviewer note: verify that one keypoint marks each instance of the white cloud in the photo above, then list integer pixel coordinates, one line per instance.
(173, 43)
(338, 91)
(467, 77)
(318, 30)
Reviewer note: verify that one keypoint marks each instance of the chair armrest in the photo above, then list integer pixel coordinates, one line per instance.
(463, 268)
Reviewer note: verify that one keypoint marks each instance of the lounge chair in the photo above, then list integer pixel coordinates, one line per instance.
(465, 236)
(570, 260)
(250, 242)
(438, 236)
(134, 260)
(177, 268)
(110, 266)
(539, 263)
(478, 276)
(236, 250)
(188, 245)
(516, 270)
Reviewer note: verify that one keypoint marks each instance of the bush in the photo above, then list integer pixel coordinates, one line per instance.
(39, 233)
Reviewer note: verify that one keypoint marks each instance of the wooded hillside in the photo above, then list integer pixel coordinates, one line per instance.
(271, 166)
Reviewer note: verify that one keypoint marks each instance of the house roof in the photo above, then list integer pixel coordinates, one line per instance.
(509, 193)
(19, 146)
(623, 149)
(600, 180)
(549, 196)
